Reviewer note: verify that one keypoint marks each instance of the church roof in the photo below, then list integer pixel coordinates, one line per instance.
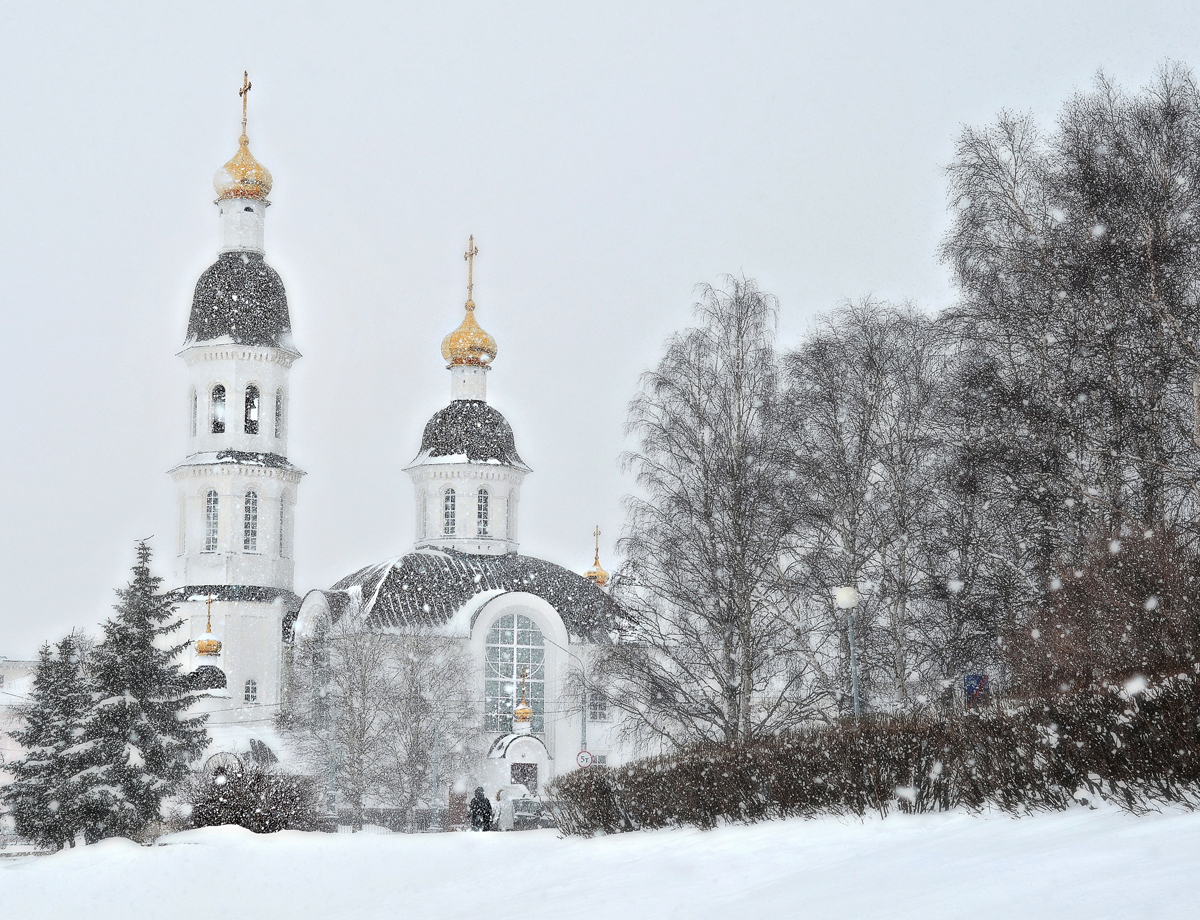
(469, 430)
(240, 297)
(428, 587)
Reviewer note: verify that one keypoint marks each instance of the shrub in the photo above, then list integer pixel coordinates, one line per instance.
(256, 799)
(1134, 746)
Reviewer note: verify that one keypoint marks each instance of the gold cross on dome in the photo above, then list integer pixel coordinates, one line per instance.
(596, 534)
(244, 92)
(469, 256)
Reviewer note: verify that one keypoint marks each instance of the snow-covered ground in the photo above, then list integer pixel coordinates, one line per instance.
(1078, 864)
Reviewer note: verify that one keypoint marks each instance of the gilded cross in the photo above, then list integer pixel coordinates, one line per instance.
(596, 534)
(209, 613)
(244, 92)
(469, 256)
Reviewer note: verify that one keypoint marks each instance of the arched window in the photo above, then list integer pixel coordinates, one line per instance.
(250, 695)
(279, 413)
(283, 547)
(448, 513)
(194, 411)
(514, 647)
(217, 409)
(251, 409)
(210, 521)
(509, 528)
(481, 513)
(423, 517)
(250, 524)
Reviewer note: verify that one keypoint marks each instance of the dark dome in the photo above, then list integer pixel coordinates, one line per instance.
(242, 297)
(427, 587)
(470, 428)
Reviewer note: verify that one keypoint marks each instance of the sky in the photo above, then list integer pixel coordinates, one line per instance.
(608, 158)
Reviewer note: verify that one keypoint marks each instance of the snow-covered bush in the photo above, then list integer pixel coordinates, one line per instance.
(1135, 744)
(256, 799)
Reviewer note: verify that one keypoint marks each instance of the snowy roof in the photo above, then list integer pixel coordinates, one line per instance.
(291, 601)
(242, 297)
(242, 457)
(430, 587)
(469, 431)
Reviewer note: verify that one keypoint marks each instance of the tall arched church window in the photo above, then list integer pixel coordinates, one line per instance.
(482, 513)
(423, 517)
(279, 413)
(194, 411)
(250, 692)
(509, 529)
(252, 407)
(211, 511)
(514, 647)
(217, 409)
(284, 549)
(250, 524)
(448, 521)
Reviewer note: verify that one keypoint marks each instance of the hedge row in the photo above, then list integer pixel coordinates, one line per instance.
(1137, 747)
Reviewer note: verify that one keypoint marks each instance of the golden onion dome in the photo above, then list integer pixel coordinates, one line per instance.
(243, 176)
(522, 713)
(596, 574)
(210, 645)
(469, 344)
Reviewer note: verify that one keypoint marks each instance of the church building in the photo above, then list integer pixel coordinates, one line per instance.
(528, 626)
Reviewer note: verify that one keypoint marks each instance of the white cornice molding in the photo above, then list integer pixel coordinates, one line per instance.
(246, 470)
(228, 351)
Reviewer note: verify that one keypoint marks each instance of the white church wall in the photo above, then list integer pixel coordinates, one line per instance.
(433, 478)
(236, 367)
(242, 224)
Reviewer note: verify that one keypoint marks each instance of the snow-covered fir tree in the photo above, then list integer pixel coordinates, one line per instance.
(43, 797)
(139, 740)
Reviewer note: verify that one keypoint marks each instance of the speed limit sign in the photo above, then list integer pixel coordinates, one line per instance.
(584, 758)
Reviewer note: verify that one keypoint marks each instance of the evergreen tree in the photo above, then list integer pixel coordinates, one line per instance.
(43, 796)
(141, 740)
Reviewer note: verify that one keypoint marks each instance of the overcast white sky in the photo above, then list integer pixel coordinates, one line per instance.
(607, 157)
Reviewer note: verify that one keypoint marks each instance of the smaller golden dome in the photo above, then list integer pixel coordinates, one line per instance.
(210, 645)
(243, 176)
(596, 574)
(522, 713)
(469, 344)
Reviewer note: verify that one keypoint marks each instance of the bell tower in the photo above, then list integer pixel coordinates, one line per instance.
(236, 489)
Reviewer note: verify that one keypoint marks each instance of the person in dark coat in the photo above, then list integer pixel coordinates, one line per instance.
(480, 811)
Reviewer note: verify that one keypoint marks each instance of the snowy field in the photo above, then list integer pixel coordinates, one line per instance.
(1070, 865)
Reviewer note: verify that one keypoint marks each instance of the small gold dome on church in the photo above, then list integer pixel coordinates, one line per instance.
(210, 645)
(469, 344)
(243, 176)
(522, 713)
(596, 574)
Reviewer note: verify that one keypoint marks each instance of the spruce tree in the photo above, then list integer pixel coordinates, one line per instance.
(141, 739)
(43, 796)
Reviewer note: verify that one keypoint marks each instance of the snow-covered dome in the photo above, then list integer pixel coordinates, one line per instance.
(434, 587)
(242, 297)
(469, 430)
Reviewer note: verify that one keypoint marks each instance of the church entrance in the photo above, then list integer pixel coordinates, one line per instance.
(526, 775)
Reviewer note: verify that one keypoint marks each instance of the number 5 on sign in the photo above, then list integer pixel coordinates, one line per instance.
(584, 759)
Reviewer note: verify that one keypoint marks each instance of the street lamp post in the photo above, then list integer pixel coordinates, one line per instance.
(847, 599)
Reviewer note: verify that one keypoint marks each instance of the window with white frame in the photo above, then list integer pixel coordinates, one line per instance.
(211, 512)
(481, 512)
(252, 409)
(250, 523)
(195, 410)
(217, 409)
(448, 520)
(515, 650)
(279, 414)
(423, 517)
(250, 693)
(508, 518)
